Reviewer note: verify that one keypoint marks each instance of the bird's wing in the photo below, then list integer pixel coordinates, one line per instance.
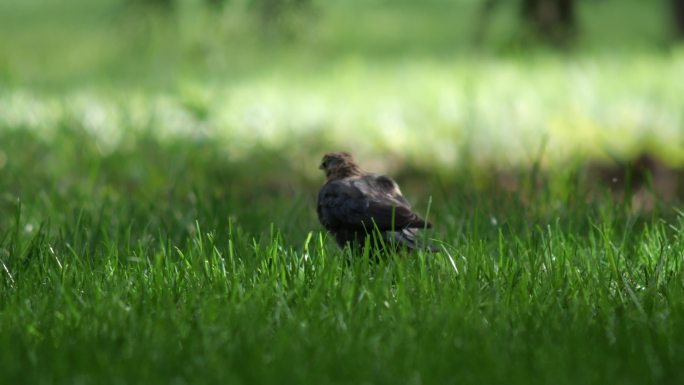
(408, 238)
(359, 203)
(389, 187)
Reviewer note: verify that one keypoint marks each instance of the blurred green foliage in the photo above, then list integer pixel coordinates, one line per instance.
(72, 42)
(440, 81)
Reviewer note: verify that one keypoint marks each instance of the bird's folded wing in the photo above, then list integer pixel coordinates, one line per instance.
(408, 238)
(343, 204)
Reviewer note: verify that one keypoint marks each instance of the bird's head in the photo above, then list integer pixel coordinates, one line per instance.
(339, 165)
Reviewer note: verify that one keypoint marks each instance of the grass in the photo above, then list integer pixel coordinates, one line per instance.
(452, 112)
(167, 262)
(77, 42)
(164, 231)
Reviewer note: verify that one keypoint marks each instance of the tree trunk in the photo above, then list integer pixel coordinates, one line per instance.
(553, 20)
(677, 7)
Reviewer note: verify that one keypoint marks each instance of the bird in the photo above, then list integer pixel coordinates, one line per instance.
(353, 203)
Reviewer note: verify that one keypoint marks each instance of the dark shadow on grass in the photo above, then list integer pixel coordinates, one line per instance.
(146, 189)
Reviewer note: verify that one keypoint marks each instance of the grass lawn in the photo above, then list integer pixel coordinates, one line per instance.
(158, 175)
(165, 262)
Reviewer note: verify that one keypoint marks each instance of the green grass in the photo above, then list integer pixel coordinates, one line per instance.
(169, 262)
(77, 42)
(445, 113)
(158, 174)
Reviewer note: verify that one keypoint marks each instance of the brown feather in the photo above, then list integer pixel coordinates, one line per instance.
(353, 203)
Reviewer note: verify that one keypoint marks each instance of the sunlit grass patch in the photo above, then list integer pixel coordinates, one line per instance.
(434, 112)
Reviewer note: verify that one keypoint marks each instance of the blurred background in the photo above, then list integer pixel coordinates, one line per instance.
(439, 85)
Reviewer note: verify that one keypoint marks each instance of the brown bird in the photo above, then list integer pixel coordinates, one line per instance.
(353, 203)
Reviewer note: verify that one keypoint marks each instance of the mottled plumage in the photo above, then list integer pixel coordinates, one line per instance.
(353, 203)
